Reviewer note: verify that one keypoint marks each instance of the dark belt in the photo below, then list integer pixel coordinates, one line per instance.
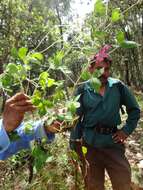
(104, 129)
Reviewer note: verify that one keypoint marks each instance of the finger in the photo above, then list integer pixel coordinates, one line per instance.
(115, 135)
(22, 103)
(18, 97)
(122, 140)
(25, 108)
(52, 129)
(116, 139)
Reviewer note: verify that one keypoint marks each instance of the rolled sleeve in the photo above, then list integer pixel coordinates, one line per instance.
(37, 132)
(4, 139)
(41, 133)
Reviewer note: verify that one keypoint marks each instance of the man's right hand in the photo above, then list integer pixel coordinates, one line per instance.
(14, 110)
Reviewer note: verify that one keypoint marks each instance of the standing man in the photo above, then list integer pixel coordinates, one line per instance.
(100, 113)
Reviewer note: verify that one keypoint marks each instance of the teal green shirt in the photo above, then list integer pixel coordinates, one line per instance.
(106, 110)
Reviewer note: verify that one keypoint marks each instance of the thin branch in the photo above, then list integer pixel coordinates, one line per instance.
(123, 13)
(51, 46)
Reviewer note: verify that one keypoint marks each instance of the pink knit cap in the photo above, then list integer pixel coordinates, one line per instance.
(101, 55)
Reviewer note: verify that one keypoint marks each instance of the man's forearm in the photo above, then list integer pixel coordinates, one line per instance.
(10, 147)
(4, 139)
(132, 121)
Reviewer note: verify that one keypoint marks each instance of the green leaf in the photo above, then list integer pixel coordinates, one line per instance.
(7, 80)
(72, 106)
(43, 79)
(68, 116)
(44, 75)
(42, 110)
(99, 34)
(36, 101)
(14, 136)
(48, 103)
(59, 95)
(95, 84)
(85, 75)
(61, 117)
(120, 37)
(40, 158)
(51, 82)
(44, 140)
(58, 58)
(74, 155)
(116, 15)
(37, 55)
(14, 53)
(50, 159)
(84, 150)
(28, 128)
(22, 52)
(129, 44)
(22, 70)
(12, 68)
(99, 8)
(98, 72)
(36, 98)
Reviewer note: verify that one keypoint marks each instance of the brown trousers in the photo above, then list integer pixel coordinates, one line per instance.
(112, 160)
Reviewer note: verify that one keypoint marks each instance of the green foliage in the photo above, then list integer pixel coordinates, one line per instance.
(85, 75)
(125, 43)
(56, 61)
(22, 53)
(12, 69)
(37, 55)
(99, 34)
(99, 8)
(13, 136)
(129, 44)
(84, 150)
(58, 95)
(116, 15)
(72, 106)
(28, 128)
(120, 37)
(40, 157)
(43, 79)
(95, 84)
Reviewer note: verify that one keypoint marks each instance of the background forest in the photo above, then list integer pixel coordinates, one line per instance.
(45, 46)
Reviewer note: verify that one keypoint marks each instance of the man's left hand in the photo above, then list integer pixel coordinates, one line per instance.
(54, 127)
(119, 136)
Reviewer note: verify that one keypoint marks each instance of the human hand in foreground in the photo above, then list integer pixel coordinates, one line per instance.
(61, 123)
(119, 136)
(55, 127)
(14, 110)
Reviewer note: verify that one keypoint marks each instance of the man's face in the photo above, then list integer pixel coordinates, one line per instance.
(99, 65)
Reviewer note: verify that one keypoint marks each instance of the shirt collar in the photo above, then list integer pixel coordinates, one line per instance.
(111, 82)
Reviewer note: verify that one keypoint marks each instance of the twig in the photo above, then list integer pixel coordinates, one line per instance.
(51, 46)
(123, 13)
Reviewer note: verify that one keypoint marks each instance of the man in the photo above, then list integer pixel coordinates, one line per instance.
(100, 113)
(13, 115)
